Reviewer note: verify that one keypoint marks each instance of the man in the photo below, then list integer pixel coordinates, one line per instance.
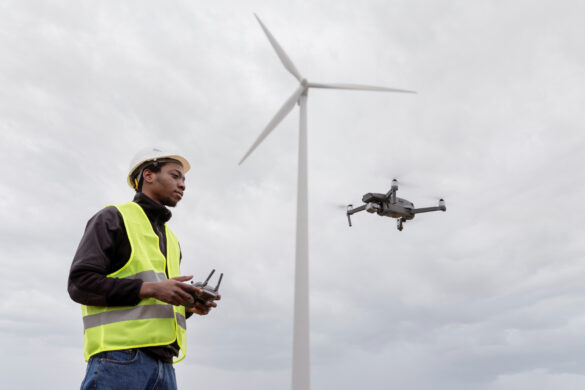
(125, 274)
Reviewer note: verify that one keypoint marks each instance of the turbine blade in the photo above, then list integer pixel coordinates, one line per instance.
(284, 110)
(358, 87)
(288, 64)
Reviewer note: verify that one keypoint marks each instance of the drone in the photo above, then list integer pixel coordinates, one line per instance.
(389, 205)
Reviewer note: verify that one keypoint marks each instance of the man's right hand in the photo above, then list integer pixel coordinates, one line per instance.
(172, 291)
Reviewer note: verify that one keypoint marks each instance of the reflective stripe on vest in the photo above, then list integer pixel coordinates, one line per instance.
(133, 313)
(151, 322)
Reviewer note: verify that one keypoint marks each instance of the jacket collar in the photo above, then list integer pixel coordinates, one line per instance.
(155, 212)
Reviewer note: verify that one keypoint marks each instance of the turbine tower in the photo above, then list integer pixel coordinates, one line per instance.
(300, 366)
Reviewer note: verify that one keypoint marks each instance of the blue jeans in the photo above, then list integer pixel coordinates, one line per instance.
(129, 369)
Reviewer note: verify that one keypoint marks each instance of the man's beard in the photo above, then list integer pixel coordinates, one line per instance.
(168, 202)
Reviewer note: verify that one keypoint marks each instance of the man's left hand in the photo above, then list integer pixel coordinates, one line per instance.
(203, 308)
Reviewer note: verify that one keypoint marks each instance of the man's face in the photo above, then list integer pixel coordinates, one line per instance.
(166, 186)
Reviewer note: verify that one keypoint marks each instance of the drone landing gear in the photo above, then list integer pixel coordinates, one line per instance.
(349, 208)
(399, 222)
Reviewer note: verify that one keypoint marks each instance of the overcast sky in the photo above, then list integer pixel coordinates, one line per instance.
(487, 296)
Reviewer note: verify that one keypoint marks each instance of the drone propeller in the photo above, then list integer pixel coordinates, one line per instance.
(404, 183)
(339, 206)
(431, 198)
(435, 199)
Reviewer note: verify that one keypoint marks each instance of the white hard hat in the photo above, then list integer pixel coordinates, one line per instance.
(153, 154)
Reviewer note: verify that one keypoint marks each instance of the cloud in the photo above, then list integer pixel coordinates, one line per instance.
(485, 296)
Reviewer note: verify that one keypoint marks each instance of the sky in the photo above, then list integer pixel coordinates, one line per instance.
(486, 296)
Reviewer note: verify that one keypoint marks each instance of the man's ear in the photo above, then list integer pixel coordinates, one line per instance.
(148, 176)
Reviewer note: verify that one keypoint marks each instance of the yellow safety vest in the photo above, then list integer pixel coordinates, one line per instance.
(151, 322)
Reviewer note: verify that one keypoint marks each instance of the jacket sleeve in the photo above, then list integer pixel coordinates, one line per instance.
(103, 249)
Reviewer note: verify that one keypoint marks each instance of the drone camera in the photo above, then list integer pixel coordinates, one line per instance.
(372, 207)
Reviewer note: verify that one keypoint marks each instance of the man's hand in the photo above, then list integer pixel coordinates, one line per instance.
(203, 308)
(172, 291)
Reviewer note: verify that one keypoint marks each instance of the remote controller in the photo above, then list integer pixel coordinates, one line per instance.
(208, 293)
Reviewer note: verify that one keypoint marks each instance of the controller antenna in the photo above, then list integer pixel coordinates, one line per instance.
(209, 277)
(218, 282)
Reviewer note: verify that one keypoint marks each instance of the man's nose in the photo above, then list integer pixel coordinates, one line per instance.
(182, 185)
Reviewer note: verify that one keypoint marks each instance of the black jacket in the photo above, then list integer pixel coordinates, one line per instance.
(105, 248)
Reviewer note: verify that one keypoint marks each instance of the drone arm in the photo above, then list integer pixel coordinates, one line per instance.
(351, 211)
(391, 195)
(428, 209)
(356, 210)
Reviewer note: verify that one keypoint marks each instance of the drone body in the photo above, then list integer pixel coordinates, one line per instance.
(389, 205)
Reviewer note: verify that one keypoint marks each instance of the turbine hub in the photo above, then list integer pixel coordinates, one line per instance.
(304, 82)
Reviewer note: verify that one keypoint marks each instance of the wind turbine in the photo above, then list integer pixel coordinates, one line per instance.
(300, 367)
